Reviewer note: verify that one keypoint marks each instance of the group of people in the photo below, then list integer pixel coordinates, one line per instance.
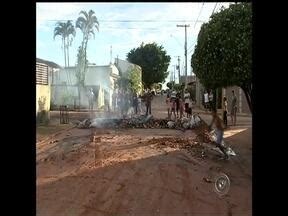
(179, 106)
(127, 102)
(208, 105)
(208, 100)
(219, 127)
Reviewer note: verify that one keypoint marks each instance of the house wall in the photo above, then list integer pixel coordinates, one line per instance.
(66, 84)
(189, 79)
(124, 67)
(241, 99)
(42, 93)
(42, 87)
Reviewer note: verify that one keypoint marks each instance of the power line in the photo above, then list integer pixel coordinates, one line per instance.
(199, 14)
(176, 39)
(197, 18)
(124, 28)
(55, 20)
(214, 7)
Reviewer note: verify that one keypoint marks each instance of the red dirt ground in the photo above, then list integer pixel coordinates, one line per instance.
(128, 172)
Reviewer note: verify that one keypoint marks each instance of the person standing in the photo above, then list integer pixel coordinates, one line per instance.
(148, 100)
(172, 107)
(181, 107)
(233, 108)
(91, 99)
(139, 99)
(135, 103)
(177, 104)
(168, 106)
(225, 110)
(187, 100)
(210, 97)
(114, 101)
(206, 100)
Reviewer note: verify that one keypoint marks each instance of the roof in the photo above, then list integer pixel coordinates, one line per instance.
(49, 63)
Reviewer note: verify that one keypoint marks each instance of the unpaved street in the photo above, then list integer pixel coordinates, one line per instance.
(141, 172)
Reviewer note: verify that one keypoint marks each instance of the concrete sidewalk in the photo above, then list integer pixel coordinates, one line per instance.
(219, 111)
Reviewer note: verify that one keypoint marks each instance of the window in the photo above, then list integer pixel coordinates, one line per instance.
(41, 74)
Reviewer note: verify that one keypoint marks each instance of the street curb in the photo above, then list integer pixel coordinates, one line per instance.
(219, 112)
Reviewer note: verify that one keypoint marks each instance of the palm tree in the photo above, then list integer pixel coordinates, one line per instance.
(65, 30)
(87, 24)
(70, 31)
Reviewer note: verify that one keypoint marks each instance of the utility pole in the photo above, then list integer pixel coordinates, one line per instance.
(178, 67)
(174, 73)
(185, 26)
(111, 54)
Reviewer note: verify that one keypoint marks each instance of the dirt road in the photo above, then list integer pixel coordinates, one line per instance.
(141, 172)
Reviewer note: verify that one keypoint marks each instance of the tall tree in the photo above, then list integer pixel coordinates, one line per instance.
(70, 32)
(153, 61)
(65, 30)
(223, 54)
(87, 22)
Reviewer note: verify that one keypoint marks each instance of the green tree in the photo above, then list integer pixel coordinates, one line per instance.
(153, 61)
(134, 76)
(223, 54)
(131, 81)
(65, 30)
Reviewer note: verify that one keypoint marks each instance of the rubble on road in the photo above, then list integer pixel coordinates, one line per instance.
(188, 144)
(141, 121)
(84, 124)
(202, 130)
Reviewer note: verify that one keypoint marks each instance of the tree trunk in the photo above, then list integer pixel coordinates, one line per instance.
(247, 91)
(85, 51)
(79, 96)
(64, 42)
(68, 51)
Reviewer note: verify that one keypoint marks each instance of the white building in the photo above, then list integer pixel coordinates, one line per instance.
(101, 79)
(126, 67)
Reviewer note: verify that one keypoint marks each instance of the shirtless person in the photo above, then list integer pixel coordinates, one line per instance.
(219, 132)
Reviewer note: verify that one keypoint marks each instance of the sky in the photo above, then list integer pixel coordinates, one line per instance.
(124, 26)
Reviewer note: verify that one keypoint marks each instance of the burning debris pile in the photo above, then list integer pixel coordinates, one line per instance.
(142, 121)
(98, 123)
